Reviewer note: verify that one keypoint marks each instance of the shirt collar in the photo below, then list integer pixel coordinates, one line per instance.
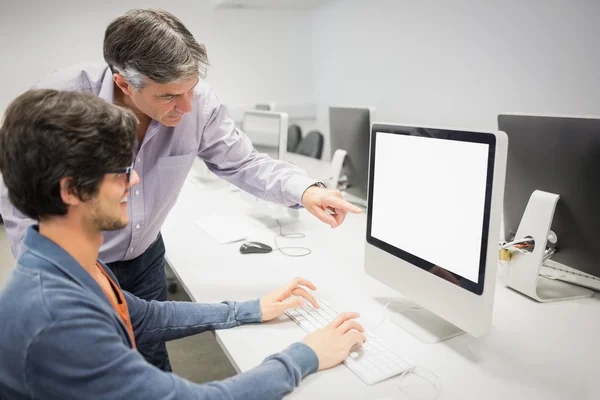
(107, 87)
(107, 93)
(39, 246)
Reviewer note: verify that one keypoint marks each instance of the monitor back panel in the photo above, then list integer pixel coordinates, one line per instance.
(559, 155)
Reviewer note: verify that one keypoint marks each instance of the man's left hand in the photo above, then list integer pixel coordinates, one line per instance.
(318, 201)
(292, 295)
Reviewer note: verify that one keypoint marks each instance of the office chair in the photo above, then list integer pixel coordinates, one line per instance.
(311, 145)
(294, 137)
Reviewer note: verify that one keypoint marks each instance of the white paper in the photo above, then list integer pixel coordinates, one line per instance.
(225, 229)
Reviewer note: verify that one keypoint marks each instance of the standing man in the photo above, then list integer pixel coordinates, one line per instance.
(153, 67)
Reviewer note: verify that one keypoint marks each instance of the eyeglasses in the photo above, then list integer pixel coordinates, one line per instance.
(127, 171)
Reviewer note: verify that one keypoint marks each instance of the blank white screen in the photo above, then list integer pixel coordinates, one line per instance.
(428, 199)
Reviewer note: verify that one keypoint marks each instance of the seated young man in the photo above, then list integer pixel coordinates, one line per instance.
(68, 330)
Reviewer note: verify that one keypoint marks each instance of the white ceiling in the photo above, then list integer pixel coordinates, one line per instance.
(285, 4)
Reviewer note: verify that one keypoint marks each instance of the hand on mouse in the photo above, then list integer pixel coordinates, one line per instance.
(333, 342)
(275, 303)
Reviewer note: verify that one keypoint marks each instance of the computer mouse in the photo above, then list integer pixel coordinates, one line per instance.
(255, 247)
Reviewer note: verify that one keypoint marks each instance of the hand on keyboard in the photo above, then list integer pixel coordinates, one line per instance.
(276, 303)
(332, 343)
(373, 362)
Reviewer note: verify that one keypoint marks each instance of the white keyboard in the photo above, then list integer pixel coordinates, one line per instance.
(372, 363)
(554, 270)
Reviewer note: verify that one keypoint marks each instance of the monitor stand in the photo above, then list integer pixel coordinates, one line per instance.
(522, 272)
(266, 214)
(421, 323)
(272, 220)
(335, 168)
(337, 179)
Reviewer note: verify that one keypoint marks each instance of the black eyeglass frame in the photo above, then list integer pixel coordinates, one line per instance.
(127, 171)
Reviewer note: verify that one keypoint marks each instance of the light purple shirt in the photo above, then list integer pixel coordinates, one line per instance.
(164, 160)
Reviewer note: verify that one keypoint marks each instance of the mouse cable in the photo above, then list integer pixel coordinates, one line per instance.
(305, 250)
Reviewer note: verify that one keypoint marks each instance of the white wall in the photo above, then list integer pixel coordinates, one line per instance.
(256, 55)
(458, 62)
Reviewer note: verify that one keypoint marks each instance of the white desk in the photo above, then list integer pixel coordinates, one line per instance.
(536, 351)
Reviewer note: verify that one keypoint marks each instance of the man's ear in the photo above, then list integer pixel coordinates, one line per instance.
(67, 193)
(122, 83)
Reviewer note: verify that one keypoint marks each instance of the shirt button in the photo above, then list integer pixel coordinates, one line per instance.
(139, 160)
(137, 226)
(137, 192)
(131, 250)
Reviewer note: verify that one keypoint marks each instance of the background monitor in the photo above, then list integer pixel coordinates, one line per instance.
(433, 223)
(265, 106)
(349, 130)
(268, 132)
(560, 155)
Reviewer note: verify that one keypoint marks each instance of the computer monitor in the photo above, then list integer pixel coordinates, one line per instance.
(559, 155)
(349, 130)
(268, 132)
(433, 224)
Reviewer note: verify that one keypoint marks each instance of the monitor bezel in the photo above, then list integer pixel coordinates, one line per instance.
(456, 135)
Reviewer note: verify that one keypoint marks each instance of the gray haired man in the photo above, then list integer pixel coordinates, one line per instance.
(153, 67)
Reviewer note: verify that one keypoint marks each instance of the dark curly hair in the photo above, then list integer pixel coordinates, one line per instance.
(48, 135)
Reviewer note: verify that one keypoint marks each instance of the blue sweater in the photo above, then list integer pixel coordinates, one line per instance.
(60, 338)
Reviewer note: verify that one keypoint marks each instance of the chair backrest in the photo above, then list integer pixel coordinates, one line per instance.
(311, 145)
(294, 137)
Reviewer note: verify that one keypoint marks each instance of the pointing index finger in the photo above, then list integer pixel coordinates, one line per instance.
(342, 204)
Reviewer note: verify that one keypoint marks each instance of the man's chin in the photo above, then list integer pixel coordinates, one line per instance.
(116, 225)
(171, 121)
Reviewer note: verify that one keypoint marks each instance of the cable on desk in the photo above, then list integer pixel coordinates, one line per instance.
(297, 235)
(437, 388)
